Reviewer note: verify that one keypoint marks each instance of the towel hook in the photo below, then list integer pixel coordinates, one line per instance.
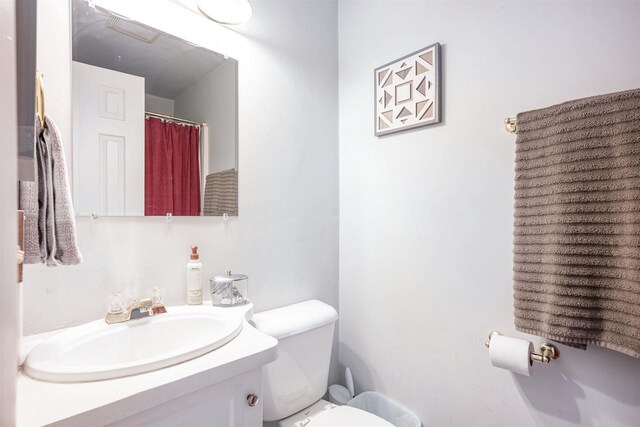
(40, 98)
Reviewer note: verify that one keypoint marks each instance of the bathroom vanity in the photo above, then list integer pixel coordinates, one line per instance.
(220, 388)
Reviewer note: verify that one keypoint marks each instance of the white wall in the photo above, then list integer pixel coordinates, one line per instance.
(9, 289)
(158, 104)
(213, 100)
(426, 215)
(286, 238)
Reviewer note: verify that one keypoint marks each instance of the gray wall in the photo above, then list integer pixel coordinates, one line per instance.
(158, 104)
(213, 100)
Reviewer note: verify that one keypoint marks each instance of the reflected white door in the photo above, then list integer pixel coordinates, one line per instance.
(108, 141)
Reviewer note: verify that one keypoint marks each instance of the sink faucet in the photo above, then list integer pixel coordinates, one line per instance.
(140, 308)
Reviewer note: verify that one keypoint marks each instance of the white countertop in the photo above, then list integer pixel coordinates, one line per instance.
(43, 403)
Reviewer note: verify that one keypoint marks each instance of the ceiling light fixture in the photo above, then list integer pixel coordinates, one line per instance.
(228, 12)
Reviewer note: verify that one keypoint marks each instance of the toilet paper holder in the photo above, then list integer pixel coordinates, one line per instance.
(548, 352)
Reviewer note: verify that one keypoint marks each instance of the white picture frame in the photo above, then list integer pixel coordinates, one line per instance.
(407, 92)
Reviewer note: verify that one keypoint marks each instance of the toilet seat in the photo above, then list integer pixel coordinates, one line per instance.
(346, 416)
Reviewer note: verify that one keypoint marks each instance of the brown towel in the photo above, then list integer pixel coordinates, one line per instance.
(50, 228)
(577, 222)
(221, 193)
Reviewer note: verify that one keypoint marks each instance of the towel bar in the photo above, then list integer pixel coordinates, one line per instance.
(548, 352)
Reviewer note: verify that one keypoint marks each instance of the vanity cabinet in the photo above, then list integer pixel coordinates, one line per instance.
(224, 404)
(209, 390)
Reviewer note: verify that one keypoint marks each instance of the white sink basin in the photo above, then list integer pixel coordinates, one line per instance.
(97, 351)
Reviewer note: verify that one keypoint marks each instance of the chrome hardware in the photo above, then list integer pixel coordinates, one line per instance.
(548, 352)
(139, 309)
(172, 118)
(510, 124)
(491, 335)
(252, 399)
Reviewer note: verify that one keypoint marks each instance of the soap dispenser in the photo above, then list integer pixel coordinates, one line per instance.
(194, 278)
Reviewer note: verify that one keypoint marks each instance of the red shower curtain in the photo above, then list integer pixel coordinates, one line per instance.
(172, 169)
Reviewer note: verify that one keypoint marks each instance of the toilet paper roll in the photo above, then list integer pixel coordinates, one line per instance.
(511, 354)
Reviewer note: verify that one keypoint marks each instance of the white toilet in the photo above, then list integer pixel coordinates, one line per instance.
(294, 384)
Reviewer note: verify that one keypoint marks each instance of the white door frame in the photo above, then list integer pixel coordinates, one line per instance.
(9, 302)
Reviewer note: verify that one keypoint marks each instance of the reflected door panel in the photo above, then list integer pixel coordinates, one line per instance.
(108, 133)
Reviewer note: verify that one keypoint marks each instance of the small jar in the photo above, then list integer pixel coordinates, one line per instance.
(228, 290)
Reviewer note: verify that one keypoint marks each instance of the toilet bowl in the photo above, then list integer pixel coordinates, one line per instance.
(294, 384)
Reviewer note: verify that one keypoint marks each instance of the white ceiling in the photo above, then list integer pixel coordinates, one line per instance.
(168, 64)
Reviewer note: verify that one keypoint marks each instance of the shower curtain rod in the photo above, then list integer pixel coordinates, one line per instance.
(177, 119)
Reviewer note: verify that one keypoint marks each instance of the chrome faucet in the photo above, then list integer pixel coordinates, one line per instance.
(140, 308)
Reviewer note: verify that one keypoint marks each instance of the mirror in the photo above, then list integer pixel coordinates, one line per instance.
(154, 121)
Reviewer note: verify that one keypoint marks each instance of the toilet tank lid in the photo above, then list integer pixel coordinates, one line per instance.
(294, 319)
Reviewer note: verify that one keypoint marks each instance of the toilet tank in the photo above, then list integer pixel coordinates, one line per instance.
(299, 376)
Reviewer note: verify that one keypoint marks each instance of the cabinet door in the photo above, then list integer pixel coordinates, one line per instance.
(220, 405)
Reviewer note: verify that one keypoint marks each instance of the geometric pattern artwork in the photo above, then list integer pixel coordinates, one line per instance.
(407, 93)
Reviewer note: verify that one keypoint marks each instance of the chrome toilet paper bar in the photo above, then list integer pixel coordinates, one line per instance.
(548, 352)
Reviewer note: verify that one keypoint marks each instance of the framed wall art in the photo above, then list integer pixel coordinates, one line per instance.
(407, 92)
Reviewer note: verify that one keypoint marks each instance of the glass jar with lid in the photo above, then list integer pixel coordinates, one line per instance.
(228, 289)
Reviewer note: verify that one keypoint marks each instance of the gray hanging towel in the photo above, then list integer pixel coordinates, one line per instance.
(221, 193)
(577, 222)
(50, 228)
